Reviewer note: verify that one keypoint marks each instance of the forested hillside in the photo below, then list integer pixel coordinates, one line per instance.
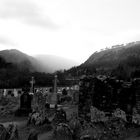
(122, 61)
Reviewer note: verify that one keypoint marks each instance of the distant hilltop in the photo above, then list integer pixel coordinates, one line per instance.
(40, 63)
(119, 60)
(17, 68)
(111, 57)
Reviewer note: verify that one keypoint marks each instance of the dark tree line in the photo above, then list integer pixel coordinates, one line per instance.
(12, 76)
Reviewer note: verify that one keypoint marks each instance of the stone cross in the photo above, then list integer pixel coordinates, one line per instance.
(55, 83)
(32, 82)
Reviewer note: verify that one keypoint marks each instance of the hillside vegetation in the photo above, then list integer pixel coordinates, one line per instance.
(122, 61)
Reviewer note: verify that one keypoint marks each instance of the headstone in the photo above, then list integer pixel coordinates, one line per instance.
(54, 98)
(51, 97)
(25, 101)
(25, 104)
(55, 83)
(32, 82)
(5, 92)
(15, 93)
(52, 94)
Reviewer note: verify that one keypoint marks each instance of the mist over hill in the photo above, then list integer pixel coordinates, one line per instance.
(40, 63)
(54, 63)
(21, 60)
(17, 68)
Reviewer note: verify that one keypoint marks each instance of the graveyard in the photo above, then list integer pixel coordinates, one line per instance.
(95, 110)
(69, 70)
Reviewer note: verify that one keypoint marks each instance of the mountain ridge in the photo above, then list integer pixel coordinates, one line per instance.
(55, 62)
(40, 63)
(122, 61)
(113, 55)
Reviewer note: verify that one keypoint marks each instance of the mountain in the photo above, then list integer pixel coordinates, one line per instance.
(39, 63)
(17, 68)
(54, 63)
(128, 54)
(21, 60)
(121, 61)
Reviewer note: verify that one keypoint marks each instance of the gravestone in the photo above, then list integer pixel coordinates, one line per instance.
(25, 104)
(51, 97)
(15, 92)
(25, 101)
(32, 82)
(5, 92)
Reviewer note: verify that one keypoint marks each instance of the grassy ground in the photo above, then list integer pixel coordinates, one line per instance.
(24, 130)
(45, 131)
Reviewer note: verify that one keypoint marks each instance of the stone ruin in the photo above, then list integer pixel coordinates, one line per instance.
(107, 95)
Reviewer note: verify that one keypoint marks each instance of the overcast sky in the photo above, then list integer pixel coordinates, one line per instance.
(69, 28)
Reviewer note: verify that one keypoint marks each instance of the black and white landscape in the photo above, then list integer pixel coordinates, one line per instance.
(39, 63)
(69, 70)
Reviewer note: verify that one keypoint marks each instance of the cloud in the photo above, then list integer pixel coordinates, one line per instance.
(26, 11)
(5, 41)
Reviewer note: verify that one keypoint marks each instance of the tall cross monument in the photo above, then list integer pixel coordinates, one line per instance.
(55, 84)
(32, 82)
